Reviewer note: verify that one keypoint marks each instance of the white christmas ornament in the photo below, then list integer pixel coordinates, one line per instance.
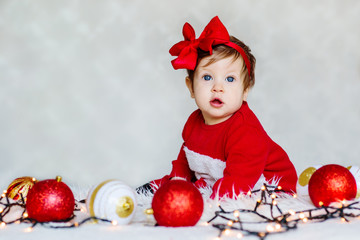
(113, 200)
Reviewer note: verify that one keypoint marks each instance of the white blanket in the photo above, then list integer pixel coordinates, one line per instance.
(142, 225)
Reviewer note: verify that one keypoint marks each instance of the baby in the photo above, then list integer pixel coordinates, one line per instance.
(225, 147)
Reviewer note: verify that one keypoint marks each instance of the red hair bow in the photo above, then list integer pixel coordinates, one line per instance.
(214, 34)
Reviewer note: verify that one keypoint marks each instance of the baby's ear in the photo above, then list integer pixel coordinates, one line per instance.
(245, 95)
(189, 84)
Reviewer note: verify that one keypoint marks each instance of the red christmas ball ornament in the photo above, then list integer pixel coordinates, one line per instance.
(331, 183)
(177, 203)
(50, 200)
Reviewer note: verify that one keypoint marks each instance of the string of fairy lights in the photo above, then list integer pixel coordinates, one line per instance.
(6, 205)
(232, 222)
(283, 221)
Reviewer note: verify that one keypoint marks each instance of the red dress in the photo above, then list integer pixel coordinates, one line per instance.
(230, 156)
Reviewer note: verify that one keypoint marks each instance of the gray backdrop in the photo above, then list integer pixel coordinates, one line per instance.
(87, 90)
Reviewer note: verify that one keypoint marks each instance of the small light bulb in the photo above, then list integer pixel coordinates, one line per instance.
(343, 219)
(114, 222)
(227, 232)
(294, 195)
(25, 214)
(261, 234)
(263, 188)
(249, 193)
(301, 215)
(236, 213)
(1, 209)
(269, 228)
(277, 226)
(279, 187)
(230, 223)
(273, 196)
(305, 219)
(321, 204)
(2, 225)
(274, 202)
(28, 229)
(239, 235)
(291, 212)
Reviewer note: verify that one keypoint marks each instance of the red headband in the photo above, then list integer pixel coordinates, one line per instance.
(214, 34)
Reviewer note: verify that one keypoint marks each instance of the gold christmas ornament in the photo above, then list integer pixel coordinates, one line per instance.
(113, 200)
(302, 186)
(20, 186)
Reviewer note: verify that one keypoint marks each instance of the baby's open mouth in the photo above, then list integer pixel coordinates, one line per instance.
(216, 102)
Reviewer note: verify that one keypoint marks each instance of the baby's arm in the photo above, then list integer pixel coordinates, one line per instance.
(181, 167)
(180, 170)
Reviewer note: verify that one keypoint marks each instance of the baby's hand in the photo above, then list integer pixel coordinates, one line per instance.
(200, 183)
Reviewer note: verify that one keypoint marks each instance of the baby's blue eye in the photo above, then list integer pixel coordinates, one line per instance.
(230, 79)
(207, 77)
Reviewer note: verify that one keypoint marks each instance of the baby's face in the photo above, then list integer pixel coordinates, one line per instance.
(218, 88)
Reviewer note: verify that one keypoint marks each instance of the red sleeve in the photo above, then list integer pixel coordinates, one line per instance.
(181, 167)
(247, 149)
(280, 167)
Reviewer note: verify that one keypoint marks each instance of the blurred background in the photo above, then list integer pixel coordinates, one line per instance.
(87, 90)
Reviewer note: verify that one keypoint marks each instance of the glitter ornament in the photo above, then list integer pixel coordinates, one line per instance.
(50, 200)
(113, 200)
(331, 183)
(20, 186)
(302, 186)
(177, 203)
